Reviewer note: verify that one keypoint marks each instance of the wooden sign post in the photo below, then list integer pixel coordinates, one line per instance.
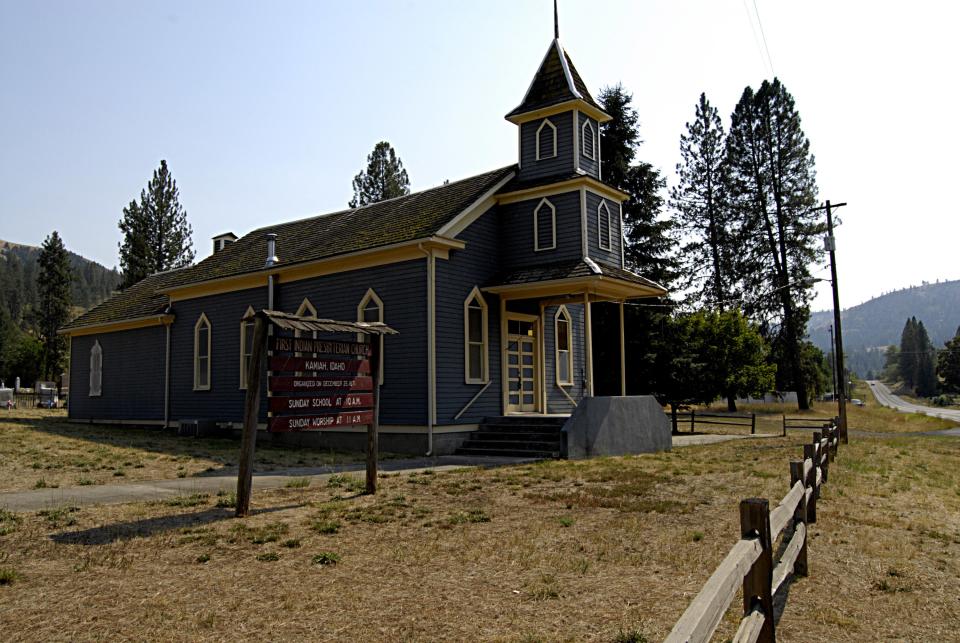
(314, 384)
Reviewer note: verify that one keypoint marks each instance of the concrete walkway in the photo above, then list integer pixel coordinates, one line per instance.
(226, 481)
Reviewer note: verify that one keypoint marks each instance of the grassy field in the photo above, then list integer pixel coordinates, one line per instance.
(41, 449)
(610, 549)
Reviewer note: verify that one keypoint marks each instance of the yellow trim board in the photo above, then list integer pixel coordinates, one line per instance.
(588, 182)
(575, 103)
(600, 285)
(113, 327)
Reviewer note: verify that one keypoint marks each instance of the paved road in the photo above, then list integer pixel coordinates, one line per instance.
(886, 398)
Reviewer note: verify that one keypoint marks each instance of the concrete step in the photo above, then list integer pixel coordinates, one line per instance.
(549, 445)
(507, 452)
(540, 420)
(516, 436)
(520, 428)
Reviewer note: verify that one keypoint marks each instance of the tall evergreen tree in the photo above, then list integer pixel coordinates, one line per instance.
(926, 374)
(156, 233)
(909, 352)
(772, 189)
(383, 179)
(948, 364)
(53, 287)
(702, 213)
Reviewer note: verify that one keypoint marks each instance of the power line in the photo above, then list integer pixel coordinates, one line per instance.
(753, 29)
(764, 36)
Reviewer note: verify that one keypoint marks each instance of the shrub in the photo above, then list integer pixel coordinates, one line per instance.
(326, 558)
(8, 575)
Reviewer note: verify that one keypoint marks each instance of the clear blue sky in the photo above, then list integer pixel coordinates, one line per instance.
(265, 111)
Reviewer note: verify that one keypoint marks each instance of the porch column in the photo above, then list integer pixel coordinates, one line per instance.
(588, 340)
(623, 355)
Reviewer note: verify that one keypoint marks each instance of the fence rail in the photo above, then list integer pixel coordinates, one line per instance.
(750, 562)
(808, 423)
(31, 399)
(729, 419)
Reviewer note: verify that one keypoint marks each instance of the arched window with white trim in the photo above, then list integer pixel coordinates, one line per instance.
(563, 334)
(96, 369)
(544, 226)
(475, 339)
(246, 345)
(588, 140)
(546, 142)
(202, 355)
(604, 226)
(370, 309)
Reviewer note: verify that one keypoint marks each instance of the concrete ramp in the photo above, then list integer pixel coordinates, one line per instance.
(616, 426)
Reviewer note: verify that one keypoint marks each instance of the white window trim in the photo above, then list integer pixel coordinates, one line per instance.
(553, 129)
(563, 312)
(484, 340)
(96, 373)
(203, 320)
(591, 151)
(371, 295)
(600, 210)
(553, 226)
(244, 348)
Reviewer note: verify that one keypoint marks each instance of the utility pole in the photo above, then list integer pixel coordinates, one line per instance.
(833, 367)
(830, 243)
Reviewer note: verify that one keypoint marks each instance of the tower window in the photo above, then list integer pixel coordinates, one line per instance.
(604, 227)
(588, 140)
(544, 226)
(546, 140)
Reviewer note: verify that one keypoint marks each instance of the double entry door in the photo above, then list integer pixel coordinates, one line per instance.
(521, 357)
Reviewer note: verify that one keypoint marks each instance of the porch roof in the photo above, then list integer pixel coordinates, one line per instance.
(601, 279)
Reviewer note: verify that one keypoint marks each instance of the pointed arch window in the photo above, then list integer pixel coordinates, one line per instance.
(371, 310)
(546, 140)
(544, 226)
(563, 332)
(202, 354)
(96, 369)
(475, 339)
(246, 346)
(604, 226)
(588, 140)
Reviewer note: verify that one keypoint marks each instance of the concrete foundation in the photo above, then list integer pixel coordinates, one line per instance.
(616, 426)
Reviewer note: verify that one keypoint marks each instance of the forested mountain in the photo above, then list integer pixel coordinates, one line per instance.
(92, 283)
(877, 323)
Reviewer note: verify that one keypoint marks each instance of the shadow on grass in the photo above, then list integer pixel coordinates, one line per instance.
(147, 527)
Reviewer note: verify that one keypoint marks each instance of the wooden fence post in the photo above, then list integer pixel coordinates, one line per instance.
(810, 453)
(784, 416)
(824, 463)
(373, 429)
(251, 415)
(757, 584)
(800, 516)
(693, 415)
(753, 423)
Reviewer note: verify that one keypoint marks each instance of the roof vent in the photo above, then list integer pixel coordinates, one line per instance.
(221, 240)
(271, 250)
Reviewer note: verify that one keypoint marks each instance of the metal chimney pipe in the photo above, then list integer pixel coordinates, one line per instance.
(271, 250)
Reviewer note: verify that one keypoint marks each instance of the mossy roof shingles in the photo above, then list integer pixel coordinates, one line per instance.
(550, 85)
(406, 218)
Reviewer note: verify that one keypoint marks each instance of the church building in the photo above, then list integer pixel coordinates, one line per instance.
(488, 280)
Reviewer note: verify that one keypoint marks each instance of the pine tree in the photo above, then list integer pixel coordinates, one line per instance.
(948, 364)
(156, 233)
(772, 189)
(383, 179)
(926, 373)
(53, 287)
(702, 213)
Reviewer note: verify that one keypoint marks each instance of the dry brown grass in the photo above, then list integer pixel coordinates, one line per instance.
(558, 551)
(41, 449)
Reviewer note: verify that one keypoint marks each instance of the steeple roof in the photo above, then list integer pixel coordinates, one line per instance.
(556, 81)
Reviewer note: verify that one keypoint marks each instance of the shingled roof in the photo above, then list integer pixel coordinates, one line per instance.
(406, 218)
(557, 81)
(570, 269)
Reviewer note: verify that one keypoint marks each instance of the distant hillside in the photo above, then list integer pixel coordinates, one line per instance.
(875, 324)
(92, 283)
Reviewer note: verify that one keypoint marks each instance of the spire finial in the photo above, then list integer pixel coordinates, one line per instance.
(556, 22)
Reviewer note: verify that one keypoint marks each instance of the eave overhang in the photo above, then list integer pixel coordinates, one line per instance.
(164, 319)
(564, 186)
(599, 287)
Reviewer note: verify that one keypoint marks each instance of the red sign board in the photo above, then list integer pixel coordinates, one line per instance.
(315, 422)
(318, 364)
(305, 384)
(315, 403)
(311, 345)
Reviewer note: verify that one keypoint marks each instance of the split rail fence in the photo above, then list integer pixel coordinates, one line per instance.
(750, 563)
(728, 419)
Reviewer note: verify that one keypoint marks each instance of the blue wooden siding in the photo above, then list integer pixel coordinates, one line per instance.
(562, 163)
(516, 231)
(586, 164)
(612, 255)
(475, 265)
(557, 402)
(132, 380)
(224, 401)
(403, 289)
